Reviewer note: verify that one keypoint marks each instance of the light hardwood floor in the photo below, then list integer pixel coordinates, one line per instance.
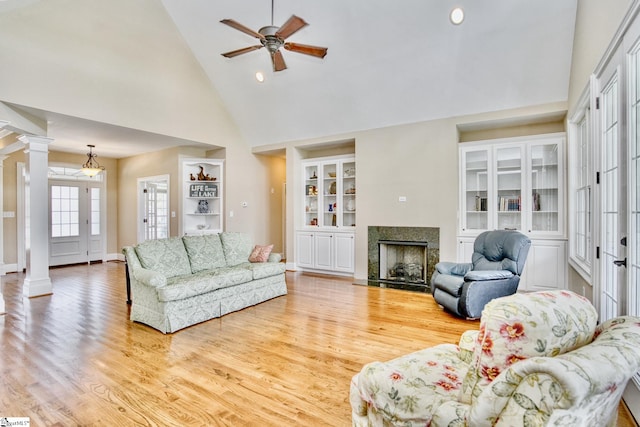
(74, 358)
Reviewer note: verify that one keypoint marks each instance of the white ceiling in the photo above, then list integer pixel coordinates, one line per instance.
(388, 63)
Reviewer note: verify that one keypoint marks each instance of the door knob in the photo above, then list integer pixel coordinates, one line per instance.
(620, 263)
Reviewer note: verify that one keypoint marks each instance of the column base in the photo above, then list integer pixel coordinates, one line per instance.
(37, 287)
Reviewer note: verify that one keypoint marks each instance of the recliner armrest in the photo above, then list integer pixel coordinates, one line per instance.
(455, 268)
(482, 275)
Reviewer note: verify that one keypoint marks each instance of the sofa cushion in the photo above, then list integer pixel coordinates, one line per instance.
(205, 252)
(166, 256)
(237, 247)
(182, 287)
(265, 269)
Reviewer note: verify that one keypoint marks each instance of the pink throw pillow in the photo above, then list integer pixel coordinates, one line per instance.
(260, 253)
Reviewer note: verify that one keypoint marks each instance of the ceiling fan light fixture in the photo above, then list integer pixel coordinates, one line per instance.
(456, 16)
(91, 167)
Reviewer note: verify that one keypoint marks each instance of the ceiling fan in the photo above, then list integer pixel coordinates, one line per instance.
(273, 38)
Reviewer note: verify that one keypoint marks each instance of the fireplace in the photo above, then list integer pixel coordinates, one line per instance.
(402, 261)
(402, 257)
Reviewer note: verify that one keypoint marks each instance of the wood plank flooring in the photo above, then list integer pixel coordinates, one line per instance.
(74, 358)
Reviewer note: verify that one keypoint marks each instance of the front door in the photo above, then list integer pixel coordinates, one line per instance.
(75, 234)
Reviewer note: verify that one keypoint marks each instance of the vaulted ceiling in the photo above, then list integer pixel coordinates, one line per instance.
(388, 62)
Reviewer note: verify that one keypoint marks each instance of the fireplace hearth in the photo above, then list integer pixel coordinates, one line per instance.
(402, 257)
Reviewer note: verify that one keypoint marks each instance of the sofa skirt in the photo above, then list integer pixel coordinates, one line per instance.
(171, 316)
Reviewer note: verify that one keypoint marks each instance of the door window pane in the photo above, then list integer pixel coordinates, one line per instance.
(64, 211)
(95, 211)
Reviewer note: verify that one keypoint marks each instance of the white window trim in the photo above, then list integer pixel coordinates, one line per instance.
(583, 110)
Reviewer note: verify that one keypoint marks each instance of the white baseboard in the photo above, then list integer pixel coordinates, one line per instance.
(9, 268)
(291, 266)
(114, 257)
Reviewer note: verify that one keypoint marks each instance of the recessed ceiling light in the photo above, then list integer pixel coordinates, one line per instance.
(259, 77)
(457, 16)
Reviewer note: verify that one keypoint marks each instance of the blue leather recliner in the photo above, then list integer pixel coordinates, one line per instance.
(495, 269)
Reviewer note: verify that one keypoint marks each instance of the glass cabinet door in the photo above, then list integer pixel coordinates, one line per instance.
(348, 191)
(329, 195)
(475, 208)
(509, 188)
(311, 195)
(545, 188)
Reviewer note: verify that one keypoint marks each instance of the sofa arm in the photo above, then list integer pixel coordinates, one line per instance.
(139, 273)
(274, 257)
(149, 277)
(481, 275)
(455, 268)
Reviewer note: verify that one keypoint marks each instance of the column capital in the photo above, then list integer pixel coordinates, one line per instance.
(37, 143)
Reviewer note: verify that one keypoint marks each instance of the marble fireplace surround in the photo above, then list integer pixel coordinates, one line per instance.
(409, 234)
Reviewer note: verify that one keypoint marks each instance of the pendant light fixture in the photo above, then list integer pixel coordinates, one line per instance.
(91, 168)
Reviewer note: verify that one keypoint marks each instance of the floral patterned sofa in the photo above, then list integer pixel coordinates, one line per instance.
(537, 360)
(178, 282)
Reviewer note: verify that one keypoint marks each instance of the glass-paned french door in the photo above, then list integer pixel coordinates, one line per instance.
(153, 208)
(633, 247)
(611, 209)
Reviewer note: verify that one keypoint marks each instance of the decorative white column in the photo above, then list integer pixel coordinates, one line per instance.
(2, 272)
(37, 281)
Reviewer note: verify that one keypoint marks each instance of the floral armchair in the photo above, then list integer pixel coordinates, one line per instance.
(537, 360)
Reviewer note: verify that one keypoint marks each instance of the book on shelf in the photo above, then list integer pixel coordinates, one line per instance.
(536, 201)
(509, 204)
(481, 204)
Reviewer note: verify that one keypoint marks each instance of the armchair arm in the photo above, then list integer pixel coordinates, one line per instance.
(480, 275)
(476, 294)
(457, 269)
(533, 391)
(467, 344)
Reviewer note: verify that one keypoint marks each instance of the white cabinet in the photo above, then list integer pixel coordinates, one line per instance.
(329, 198)
(344, 259)
(202, 196)
(326, 237)
(304, 244)
(327, 252)
(514, 184)
(517, 184)
(545, 268)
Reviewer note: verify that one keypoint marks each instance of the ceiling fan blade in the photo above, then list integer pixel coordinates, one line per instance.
(317, 51)
(241, 51)
(278, 61)
(292, 25)
(238, 26)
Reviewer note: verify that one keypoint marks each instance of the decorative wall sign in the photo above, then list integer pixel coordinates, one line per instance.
(203, 190)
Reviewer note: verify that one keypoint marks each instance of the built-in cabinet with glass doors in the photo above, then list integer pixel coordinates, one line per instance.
(325, 241)
(517, 184)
